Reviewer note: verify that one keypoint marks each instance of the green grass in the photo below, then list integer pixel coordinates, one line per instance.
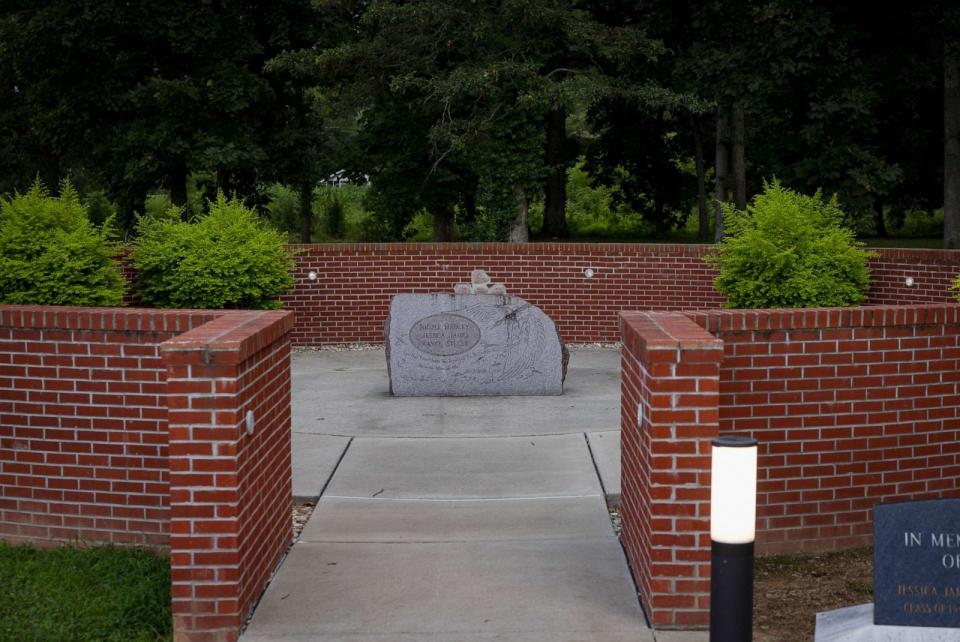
(83, 594)
(687, 236)
(933, 243)
(626, 236)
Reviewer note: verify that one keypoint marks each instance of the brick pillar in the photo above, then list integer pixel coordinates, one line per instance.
(670, 379)
(230, 489)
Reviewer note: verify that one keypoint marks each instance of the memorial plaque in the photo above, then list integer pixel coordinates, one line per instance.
(472, 344)
(916, 562)
(444, 334)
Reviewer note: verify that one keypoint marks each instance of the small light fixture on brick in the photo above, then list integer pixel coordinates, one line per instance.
(909, 281)
(588, 273)
(733, 516)
(249, 422)
(312, 275)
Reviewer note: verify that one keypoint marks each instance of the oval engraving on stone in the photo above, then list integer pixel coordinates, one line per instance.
(444, 334)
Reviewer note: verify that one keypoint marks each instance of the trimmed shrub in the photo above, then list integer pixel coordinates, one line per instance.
(225, 259)
(51, 254)
(788, 250)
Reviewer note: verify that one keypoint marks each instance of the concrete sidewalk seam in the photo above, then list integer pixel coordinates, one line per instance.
(533, 435)
(465, 499)
(596, 467)
(458, 542)
(335, 467)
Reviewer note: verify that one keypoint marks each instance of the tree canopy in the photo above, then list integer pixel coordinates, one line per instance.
(474, 112)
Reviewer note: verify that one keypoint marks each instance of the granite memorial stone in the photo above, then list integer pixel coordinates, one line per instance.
(472, 344)
(917, 563)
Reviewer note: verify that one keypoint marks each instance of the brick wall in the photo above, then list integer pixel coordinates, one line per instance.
(129, 426)
(670, 378)
(348, 301)
(83, 423)
(351, 296)
(932, 272)
(850, 407)
(230, 479)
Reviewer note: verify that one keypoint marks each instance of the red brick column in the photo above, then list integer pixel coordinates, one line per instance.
(670, 377)
(228, 385)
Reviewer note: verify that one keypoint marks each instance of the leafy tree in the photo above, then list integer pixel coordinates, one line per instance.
(639, 152)
(820, 94)
(191, 98)
(470, 89)
(140, 94)
(473, 111)
(57, 76)
(376, 76)
(304, 146)
(951, 135)
(860, 110)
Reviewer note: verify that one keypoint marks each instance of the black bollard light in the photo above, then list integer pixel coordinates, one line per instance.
(733, 516)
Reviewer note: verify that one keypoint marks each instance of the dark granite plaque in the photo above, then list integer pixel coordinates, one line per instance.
(916, 563)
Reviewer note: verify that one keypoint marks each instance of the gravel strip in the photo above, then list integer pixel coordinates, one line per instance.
(341, 347)
(615, 520)
(588, 347)
(301, 513)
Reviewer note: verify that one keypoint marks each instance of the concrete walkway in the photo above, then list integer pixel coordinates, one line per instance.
(466, 520)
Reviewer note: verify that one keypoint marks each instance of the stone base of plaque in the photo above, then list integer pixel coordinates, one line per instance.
(460, 345)
(855, 624)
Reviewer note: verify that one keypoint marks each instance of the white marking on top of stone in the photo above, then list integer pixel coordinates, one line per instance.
(480, 283)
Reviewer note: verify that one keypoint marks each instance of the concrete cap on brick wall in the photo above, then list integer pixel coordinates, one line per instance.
(662, 336)
(230, 338)
(113, 319)
(809, 318)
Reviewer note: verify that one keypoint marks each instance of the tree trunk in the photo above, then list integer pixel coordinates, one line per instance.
(951, 130)
(444, 230)
(50, 170)
(470, 206)
(879, 223)
(738, 158)
(722, 165)
(306, 206)
(131, 204)
(702, 210)
(519, 233)
(555, 187)
(178, 183)
(306, 177)
(660, 223)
